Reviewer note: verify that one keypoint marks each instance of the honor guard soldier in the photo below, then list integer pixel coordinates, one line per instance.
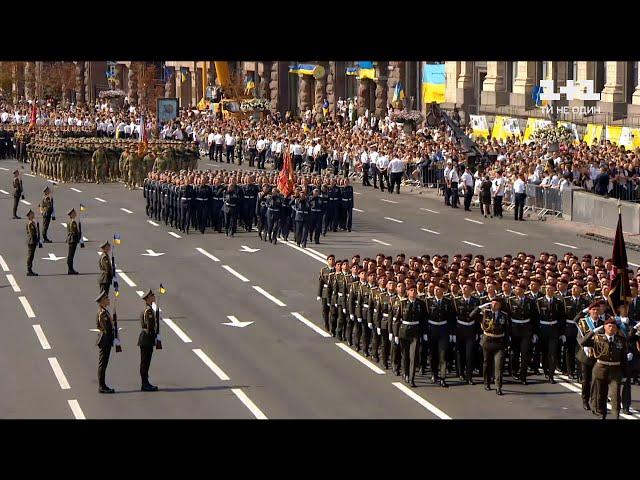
(147, 340)
(324, 289)
(495, 331)
(46, 210)
(524, 322)
(610, 350)
(552, 322)
(413, 324)
(74, 236)
(362, 330)
(355, 306)
(440, 331)
(573, 306)
(375, 317)
(586, 324)
(339, 296)
(33, 239)
(394, 331)
(106, 268)
(627, 330)
(106, 336)
(17, 193)
(386, 319)
(467, 333)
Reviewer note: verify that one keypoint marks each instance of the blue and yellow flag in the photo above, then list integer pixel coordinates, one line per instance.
(398, 93)
(433, 83)
(366, 70)
(162, 289)
(183, 74)
(82, 208)
(116, 238)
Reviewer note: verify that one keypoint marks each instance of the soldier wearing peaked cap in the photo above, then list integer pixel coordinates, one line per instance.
(106, 335)
(106, 268)
(74, 235)
(147, 340)
(46, 209)
(33, 238)
(17, 193)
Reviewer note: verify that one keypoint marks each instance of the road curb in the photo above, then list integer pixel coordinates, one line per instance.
(602, 239)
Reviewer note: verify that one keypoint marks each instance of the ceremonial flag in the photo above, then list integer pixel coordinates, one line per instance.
(366, 70)
(143, 140)
(183, 74)
(32, 118)
(82, 208)
(433, 83)
(116, 238)
(285, 178)
(162, 289)
(116, 289)
(620, 292)
(398, 93)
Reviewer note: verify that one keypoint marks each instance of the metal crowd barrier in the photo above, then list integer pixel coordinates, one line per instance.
(543, 200)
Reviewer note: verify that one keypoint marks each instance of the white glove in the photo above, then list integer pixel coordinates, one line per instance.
(397, 340)
(158, 339)
(351, 316)
(535, 338)
(585, 310)
(624, 320)
(629, 356)
(359, 320)
(452, 338)
(485, 305)
(379, 332)
(344, 310)
(391, 337)
(370, 325)
(318, 298)
(599, 329)
(425, 337)
(587, 351)
(563, 338)
(116, 342)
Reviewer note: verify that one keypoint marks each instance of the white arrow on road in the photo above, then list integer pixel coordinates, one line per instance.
(151, 253)
(235, 322)
(249, 249)
(52, 257)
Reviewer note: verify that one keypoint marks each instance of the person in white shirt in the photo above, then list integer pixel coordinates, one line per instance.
(520, 195)
(218, 140)
(261, 147)
(177, 134)
(210, 144)
(467, 181)
(230, 143)
(296, 150)
(4, 116)
(447, 184)
(382, 169)
(396, 169)
(317, 160)
(373, 166)
(497, 190)
(453, 185)
(364, 161)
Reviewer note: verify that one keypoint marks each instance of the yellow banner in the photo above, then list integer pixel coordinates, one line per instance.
(432, 92)
(613, 134)
(626, 138)
(592, 134)
(505, 127)
(636, 137)
(479, 126)
(533, 125)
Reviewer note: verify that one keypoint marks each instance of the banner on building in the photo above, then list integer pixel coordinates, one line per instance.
(479, 126)
(574, 129)
(612, 133)
(592, 134)
(316, 71)
(635, 133)
(505, 127)
(533, 125)
(433, 83)
(626, 138)
(364, 69)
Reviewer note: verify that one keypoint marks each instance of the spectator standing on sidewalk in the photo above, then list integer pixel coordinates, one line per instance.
(468, 183)
(396, 167)
(497, 190)
(519, 191)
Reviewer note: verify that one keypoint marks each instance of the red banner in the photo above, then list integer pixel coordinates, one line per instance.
(285, 178)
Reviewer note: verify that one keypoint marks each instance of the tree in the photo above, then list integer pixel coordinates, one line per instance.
(58, 80)
(6, 78)
(149, 85)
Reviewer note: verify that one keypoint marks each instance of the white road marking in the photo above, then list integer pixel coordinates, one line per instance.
(5, 169)
(41, 336)
(30, 175)
(234, 322)
(388, 201)
(100, 199)
(53, 257)
(77, 411)
(152, 223)
(430, 231)
(394, 220)
(381, 242)
(27, 307)
(2, 191)
(76, 190)
(126, 210)
(85, 239)
(174, 234)
(235, 274)
(51, 181)
(247, 249)
(361, 359)
(292, 244)
(311, 325)
(358, 210)
(151, 253)
(565, 245)
(25, 202)
(3, 264)
(249, 404)
(474, 244)
(207, 254)
(63, 224)
(140, 293)
(414, 396)
(210, 363)
(429, 210)
(269, 296)
(474, 221)
(632, 264)
(57, 371)
(320, 254)
(125, 277)
(517, 233)
(357, 193)
(177, 330)
(13, 283)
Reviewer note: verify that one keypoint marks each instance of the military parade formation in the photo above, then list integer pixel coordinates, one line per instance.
(480, 314)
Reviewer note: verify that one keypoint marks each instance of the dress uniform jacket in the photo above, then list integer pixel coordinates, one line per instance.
(147, 337)
(386, 310)
(106, 269)
(32, 234)
(340, 291)
(74, 235)
(412, 318)
(573, 307)
(465, 325)
(324, 283)
(583, 331)
(105, 329)
(441, 317)
(524, 316)
(552, 317)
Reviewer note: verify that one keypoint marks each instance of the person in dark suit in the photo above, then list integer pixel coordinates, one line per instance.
(413, 324)
(104, 324)
(147, 340)
(106, 268)
(495, 331)
(602, 182)
(74, 236)
(441, 321)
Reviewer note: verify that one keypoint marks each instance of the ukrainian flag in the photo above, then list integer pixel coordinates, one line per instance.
(398, 93)
(82, 208)
(116, 289)
(116, 238)
(366, 70)
(433, 83)
(162, 289)
(183, 74)
(351, 71)
(249, 86)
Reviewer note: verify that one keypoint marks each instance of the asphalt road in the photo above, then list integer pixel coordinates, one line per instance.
(279, 366)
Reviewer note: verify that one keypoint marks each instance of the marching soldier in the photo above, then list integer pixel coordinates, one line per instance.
(363, 305)
(495, 331)
(551, 323)
(339, 296)
(325, 281)
(106, 268)
(74, 236)
(524, 322)
(413, 324)
(147, 340)
(467, 332)
(46, 210)
(585, 356)
(441, 325)
(375, 316)
(386, 321)
(17, 193)
(610, 350)
(106, 336)
(33, 238)
(573, 305)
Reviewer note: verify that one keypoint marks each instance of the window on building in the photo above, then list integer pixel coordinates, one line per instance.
(631, 80)
(411, 83)
(510, 75)
(600, 78)
(544, 70)
(572, 70)
(292, 90)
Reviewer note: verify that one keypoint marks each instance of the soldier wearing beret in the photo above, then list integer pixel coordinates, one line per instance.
(33, 238)
(74, 236)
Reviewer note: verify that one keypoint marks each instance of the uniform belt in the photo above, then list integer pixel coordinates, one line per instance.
(493, 335)
(316, 211)
(201, 199)
(385, 315)
(249, 196)
(333, 198)
(571, 321)
(404, 322)
(326, 285)
(340, 294)
(542, 322)
(230, 204)
(444, 322)
(467, 324)
(365, 306)
(611, 364)
(346, 199)
(516, 320)
(274, 209)
(375, 310)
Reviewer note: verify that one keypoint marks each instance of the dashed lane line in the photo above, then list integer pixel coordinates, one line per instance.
(474, 221)
(414, 396)
(174, 234)
(381, 242)
(211, 364)
(3, 264)
(25, 202)
(630, 263)
(388, 201)
(269, 296)
(241, 277)
(517, 233)
(320, 254)
(27, 307)
(306, 251)
(430, 231)
(429, 210)
(311, 325)
(13, 283)
(5, 169)
(4, 192)
(30, 175)
(565, 245)
(391, 219)
(57, 371)
(77, 411)
(207, 254)
(76, 190)
(126, 278)
(126, 210)
(41, 337)
(100, 199)
(152, 223)
(473, 244)
(177, 330)
(361, 359)
(249, 404)
(358, 210)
